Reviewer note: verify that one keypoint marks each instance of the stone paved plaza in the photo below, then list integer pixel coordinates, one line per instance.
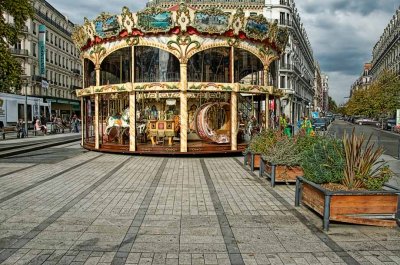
(95, 208)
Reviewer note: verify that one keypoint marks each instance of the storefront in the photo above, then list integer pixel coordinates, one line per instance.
(176, 81)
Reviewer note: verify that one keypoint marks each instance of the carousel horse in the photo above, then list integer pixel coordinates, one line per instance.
(117, 126)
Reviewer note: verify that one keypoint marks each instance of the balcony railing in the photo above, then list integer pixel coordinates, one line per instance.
(286, 66)
(21, 52)
(40, 14)
(73, 87)
(76, 71)
(285, 22)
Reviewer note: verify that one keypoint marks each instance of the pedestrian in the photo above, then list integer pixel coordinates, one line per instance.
(307, 126)
(282, 122)
(75, 124)
(20, 129)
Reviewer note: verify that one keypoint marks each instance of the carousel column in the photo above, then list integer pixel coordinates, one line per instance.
(83, 108)
(132, 121)
(96, 111)
(266, 81)
(234, 120)
(83, 121)
(234, 105)
(132, 108)
(183, 106)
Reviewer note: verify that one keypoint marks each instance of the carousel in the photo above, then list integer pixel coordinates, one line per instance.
(176, 81)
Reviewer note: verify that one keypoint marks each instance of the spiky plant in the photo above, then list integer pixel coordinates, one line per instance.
(362, 167)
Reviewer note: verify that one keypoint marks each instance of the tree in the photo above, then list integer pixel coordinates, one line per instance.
(386, 94)
(332, 106)
(381, 99)
(10, 68)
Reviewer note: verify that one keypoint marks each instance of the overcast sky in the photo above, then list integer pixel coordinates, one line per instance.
(342, 32)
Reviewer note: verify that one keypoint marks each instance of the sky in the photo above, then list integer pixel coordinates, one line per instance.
(342, 33)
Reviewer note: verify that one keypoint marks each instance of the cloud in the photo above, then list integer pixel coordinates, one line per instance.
(342, 34)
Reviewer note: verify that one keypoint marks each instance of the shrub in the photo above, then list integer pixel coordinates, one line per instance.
(282, 152)
(324, 161)
(261, 142)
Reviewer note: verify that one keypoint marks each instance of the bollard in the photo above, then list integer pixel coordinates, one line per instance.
(379, 140)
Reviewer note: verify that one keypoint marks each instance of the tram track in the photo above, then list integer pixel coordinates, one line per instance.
(20, 148)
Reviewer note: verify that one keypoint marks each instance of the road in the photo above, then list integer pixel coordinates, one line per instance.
(388, 140)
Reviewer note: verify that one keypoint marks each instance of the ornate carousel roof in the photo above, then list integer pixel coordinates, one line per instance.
(182, 20)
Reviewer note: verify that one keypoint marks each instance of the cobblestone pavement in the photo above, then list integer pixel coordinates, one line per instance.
(96, 208)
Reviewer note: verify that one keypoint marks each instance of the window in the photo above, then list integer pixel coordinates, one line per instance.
(64, 45)
(282, 18)
(34, 28)
(51, 56)
(55, 40)
(47, 35)
(34, 49)
(33, 70)
(51, 38)
(59, 42)
(59, 60)
(47, 55)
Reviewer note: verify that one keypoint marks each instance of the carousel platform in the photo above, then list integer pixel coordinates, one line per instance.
(194, 148)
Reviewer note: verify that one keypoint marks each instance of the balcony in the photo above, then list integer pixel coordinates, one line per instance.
(76, 71)
(19, 52)
(285, 22)
(37, 78)
(73, 87)
(24, 28)
(286, 66)
(46, 18)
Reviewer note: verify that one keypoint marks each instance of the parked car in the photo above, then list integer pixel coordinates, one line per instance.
(319, 124)
(366, 121)
(388, 124)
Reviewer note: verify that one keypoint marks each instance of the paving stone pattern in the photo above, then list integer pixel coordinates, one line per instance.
(114, 209)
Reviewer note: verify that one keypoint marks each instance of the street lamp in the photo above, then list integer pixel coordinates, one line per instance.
(26, 106)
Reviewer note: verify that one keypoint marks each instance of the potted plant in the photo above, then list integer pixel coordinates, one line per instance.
(344, 181)
(281, 161)
(258, 145)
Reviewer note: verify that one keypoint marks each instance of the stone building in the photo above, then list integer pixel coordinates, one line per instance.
(386, 52)
(364, 81)
(61, 67)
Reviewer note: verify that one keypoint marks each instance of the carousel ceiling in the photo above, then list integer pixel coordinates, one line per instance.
(181, 20)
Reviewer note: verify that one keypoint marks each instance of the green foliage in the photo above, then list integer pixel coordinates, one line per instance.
(10, 68)
(363, 169)
(282, 152)
(332, 106)
(261, 142)
(382, 98)
(324, 161)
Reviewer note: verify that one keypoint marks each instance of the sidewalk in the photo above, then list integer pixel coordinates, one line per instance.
(11, 138)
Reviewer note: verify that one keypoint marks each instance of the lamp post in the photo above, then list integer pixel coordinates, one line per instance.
(26, 107)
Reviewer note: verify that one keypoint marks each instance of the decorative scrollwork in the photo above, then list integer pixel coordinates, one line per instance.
(282, 37)
(126, 20)
(97, 53)
(183, 17)
(89, 28)
(237, 21)
(79, 36)
(233, 42)
(183, 45)
(133, 41)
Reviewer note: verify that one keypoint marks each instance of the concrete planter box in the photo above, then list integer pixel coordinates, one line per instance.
(377, 208)
(252, 159)
(279, 173)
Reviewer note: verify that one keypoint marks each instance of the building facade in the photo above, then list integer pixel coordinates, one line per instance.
(325, 92)
(386, 52)
(296, 68)
(62, 66)
(319, 95)
(364, 81)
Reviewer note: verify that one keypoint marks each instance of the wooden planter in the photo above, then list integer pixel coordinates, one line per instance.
(378, 208)
(252, 159)
(279, 173)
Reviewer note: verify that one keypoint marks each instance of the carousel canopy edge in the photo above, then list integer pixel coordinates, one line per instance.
(179, 20)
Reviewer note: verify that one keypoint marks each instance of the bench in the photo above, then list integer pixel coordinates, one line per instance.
(5, 130)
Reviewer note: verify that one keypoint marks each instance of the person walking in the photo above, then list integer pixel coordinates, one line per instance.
(307, 126)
